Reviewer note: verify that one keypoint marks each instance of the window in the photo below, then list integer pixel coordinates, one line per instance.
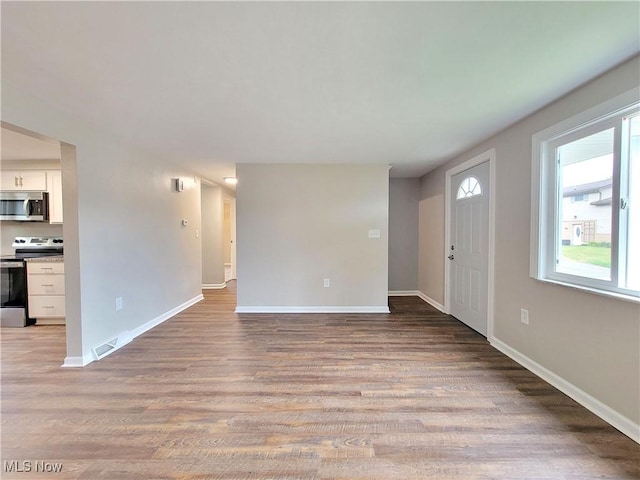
(469, 187)
(585, 222)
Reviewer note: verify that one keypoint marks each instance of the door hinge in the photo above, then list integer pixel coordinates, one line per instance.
(623, 204)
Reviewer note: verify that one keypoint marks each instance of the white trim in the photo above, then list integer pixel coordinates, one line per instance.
(145, 327)
(488, 156)
(538, 253)
(214, 286)
(328, 309)
(126, 337)
(419, 294)
(432, 302)
(609, 415)
(404, 293)
(595, 291)
(77, 361)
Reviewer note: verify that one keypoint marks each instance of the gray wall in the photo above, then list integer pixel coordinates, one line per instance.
(404, 195)
(591, 341)
(130, 239)
(300, 224)
(212, 235)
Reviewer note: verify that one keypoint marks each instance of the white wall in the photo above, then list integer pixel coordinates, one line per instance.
(590, 341)
(300, 224)
(404, 194)
(130, 241)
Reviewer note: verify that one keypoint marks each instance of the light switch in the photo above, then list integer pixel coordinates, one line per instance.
(374, 233)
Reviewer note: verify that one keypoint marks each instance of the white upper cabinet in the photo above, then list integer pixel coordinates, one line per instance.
(54, 187)
(23, 180)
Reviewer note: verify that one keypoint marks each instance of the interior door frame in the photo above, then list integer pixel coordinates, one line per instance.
(488, 156)
(232, 220)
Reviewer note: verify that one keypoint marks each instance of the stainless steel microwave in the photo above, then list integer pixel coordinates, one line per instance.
(24, 206)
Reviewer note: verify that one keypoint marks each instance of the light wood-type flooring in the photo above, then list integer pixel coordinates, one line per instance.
(214, 395)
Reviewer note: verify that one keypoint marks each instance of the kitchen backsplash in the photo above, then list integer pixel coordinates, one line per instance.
(10, 230)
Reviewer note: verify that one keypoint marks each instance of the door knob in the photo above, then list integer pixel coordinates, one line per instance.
(450, 257)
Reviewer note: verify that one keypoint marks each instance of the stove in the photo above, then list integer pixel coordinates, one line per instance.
(38, 243)
(13, 275)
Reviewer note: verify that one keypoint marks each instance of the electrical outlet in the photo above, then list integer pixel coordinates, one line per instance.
(524, 316)
(118, 304)
(327, 283)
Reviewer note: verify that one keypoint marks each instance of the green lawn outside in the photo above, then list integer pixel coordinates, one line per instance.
(591, 253)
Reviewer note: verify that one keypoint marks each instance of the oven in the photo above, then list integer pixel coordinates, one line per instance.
(13, 311)
(14, 306)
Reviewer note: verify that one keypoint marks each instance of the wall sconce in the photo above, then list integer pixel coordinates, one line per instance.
(178, 184)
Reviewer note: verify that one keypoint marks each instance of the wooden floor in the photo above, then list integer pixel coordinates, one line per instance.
(214, 395)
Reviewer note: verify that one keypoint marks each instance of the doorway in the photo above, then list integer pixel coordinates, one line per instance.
(469, 243)
(35, 148)
(229, 238)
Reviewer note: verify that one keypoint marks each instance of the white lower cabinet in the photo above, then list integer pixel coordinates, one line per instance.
(45, 284)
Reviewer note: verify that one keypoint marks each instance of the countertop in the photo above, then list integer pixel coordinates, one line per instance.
(48, 258)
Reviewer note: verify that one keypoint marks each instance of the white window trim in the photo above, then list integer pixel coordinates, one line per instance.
(539, 234)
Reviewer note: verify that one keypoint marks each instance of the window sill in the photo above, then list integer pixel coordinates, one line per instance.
(603, 293)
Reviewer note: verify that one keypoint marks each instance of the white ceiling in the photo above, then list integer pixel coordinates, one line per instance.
(212, 84)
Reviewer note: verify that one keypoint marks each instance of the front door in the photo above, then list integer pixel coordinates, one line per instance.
(469, 248)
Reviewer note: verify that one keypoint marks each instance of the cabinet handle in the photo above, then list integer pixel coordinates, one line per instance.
(47, 285)
(46, 268)
(48, 306)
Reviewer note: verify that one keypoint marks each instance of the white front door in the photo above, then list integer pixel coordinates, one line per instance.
(576, 238)
(469, 247)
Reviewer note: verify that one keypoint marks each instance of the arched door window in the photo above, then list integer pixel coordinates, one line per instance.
(469, 187)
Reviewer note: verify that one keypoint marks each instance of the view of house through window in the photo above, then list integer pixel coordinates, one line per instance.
(585, 169)
(594, 227)
(586, 215)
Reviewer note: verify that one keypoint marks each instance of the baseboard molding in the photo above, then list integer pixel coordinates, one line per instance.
(145, 327)
(417, 293)
(404, 293)
(120, 340)
(77, 361)
(214, 286)
(609, 415)
(329, 309)
(432, 302)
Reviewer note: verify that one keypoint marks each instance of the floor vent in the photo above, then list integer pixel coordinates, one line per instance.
(104, 349)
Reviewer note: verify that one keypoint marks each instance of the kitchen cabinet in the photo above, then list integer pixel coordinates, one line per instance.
(45, 287)
(17, 180)
(54, 187)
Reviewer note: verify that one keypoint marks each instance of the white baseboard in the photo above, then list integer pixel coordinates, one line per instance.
(161, 318)
(417, 293)
(329, 309)
(77, 361)
(403, 293)
(432, 302)
(214, 286)
(123, 338)
(609, 415)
